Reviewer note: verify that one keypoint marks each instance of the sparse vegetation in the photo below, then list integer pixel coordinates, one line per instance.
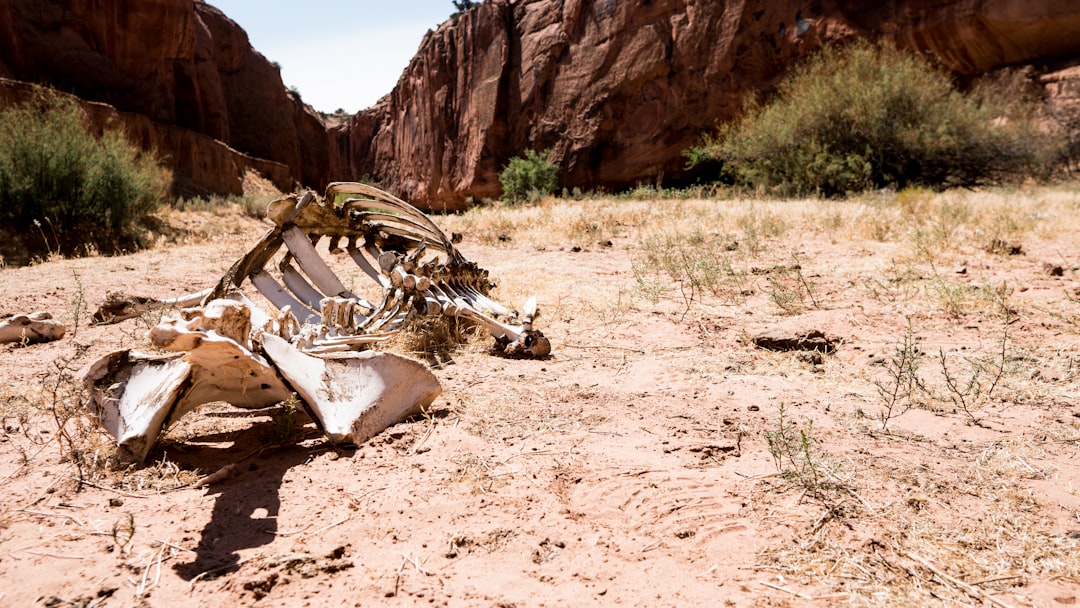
(655, 429)
(902, 386)
(799, 459)
(460, 6)
(530, 177)
(865, 117)
(80, 192)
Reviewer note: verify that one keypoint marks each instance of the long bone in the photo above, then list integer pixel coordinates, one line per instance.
(365, 265)
(298, 285)
(304, 251)
(281, 298)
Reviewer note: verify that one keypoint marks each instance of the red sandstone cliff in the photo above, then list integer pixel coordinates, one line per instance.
(617, 89)
(180, 73)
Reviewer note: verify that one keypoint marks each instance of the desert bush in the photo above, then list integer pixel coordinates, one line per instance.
(866, 117)
(529, 178)
(77, 190)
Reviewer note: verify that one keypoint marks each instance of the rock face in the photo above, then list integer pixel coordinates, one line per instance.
(180, 74)
(618, 89)
(201, 164)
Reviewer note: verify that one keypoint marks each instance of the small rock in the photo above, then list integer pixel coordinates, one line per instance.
(812, 340)
(1054, 270)
(1002, 247)
(116, 502)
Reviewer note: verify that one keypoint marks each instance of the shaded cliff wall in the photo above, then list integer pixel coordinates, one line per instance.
(175, 62)
(201, 165)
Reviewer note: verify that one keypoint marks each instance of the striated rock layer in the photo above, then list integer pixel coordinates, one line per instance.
(200, 164)
(618, 89)
(180, 74)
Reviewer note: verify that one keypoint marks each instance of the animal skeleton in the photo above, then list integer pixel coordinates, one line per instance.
(229, 349)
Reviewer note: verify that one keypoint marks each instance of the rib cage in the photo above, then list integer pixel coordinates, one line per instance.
(396, 246)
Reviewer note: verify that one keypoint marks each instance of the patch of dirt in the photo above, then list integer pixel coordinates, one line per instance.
(658, 457)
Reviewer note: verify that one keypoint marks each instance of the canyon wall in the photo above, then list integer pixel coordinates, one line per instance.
(617, 90)
(180, 75)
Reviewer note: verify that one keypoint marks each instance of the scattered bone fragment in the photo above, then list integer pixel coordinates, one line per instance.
(30, 329)
(219, 475)
(132, 395)
(118, 306)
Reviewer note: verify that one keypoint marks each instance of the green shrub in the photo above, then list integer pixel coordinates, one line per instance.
(866, 117)
(75, 190)
(529, 178)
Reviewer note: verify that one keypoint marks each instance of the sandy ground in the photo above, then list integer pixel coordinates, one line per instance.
(657, 458)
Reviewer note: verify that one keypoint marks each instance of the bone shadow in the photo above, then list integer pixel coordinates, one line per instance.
(233, 526)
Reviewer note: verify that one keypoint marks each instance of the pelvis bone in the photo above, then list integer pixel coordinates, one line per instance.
(309, 340)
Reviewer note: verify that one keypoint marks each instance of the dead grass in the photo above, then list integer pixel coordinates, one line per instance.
(955, 534)
(890, 486)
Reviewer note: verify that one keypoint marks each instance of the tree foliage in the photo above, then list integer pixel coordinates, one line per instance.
(865, 117)
(529, 178)
(75, 189)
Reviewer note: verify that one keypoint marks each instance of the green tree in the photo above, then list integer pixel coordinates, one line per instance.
(867, 116)
(76, 189)
(530, 177)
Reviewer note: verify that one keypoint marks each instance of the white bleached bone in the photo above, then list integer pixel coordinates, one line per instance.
(282, 299)
(356, 395)
(30, 329)
(365, 265)
(308, 336)
(132, 395)
(298, 285)
(304, 252)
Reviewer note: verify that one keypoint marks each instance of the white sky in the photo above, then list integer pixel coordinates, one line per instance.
(337, 53)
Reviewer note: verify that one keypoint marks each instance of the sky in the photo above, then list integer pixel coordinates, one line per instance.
(339, 54)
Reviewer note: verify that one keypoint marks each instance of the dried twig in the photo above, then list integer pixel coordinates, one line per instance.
(974, 592)
(106, 488)
(801, 596)
(236, 565)
(414, 562)
(56, 555)
(61, 515)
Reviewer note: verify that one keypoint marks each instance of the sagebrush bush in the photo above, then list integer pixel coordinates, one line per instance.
(529, 178)
(76, 190)
(866, 117)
